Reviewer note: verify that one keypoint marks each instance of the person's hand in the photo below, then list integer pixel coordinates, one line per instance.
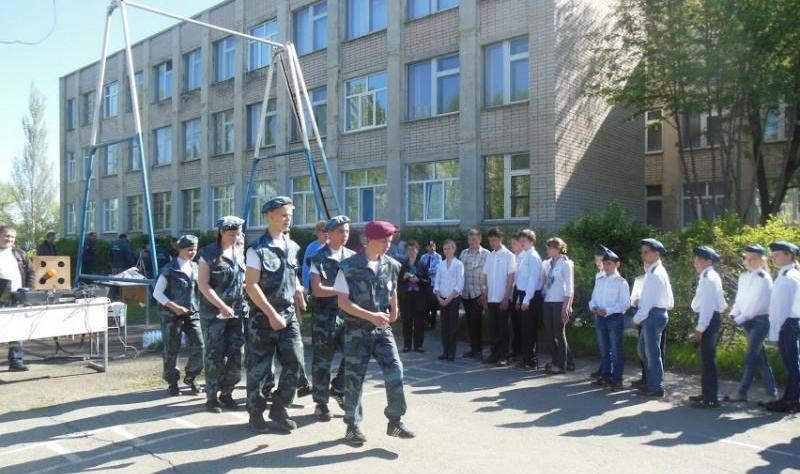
(277, 322)
(504, 304)
(379, 319)
(565, 314)
(300, 301)
(602, 312)
(732, 320)
(698, 336)
(484, 301)
(517, 305)
(226, 311)
(180, 310)
(525, 306)
(635, 303)
(442, 303)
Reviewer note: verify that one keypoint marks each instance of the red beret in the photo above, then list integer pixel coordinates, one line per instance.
(378, 230)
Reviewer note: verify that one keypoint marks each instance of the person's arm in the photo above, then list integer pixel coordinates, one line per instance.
(511, 272)
(299, 297)
(705, 305)
(393, 308)
(252, 277)
(569, 292)
(318, 290)
(651, 286)
(529, 285)
(593, 301)
(343, 299)
(158, 295)
(203, 280)
(623, 301)
(459, 289)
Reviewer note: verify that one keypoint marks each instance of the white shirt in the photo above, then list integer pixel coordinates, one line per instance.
(529, 277)
(611, 293)
(499, 265)
(656, 292)
(449, 278)
(781, 303)
(9, 269)
(559, 280)
(752, 296)
(708, 298)
(161, 282)
(636, 291)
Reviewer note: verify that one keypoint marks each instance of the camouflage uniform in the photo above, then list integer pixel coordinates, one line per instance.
(327, 328)
(223, 338)
(278, 281)
(181, 289)
(362, 340)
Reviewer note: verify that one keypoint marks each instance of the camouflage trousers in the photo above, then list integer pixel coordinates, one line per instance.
(171, 328)
(223, 340)
(362, 341)
(327, 335)
(263, 345)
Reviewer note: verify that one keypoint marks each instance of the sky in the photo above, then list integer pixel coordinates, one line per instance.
(75, 40)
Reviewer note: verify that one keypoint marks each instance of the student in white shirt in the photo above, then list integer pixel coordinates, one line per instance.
(610, 299)
(514, 312)
(558, 295)
(448, 287)
(708, 303)
(499, 269)
(528, 298)
(751, 312)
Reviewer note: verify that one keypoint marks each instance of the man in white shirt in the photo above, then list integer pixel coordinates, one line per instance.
(500, 268)
(784, 322)
(655, 300)
(751, 312)
(708, 303)
(17, 268)
(610, 299)
(528, 298)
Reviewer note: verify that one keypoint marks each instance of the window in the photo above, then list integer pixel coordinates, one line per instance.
(420, 8)
(652, 136)
(162, 151)
(365, 16)
(139, 80)
(505, 72)
(702, 201)
(135, 213)
(110, 103)
(365, 194)
(221, 202)
(654, 205)
(87, 162)
(163, 80)
(433, 87)
(319, 102)
(191, 139)
(224, 58)
(112, 159)
(69, 114)
(162, 211)
(70, 168)
(507, 183)
(223, 132)
(254, 119)
(305, 207)
(260, 54)
(134, 158)
(777, 124)
(700, 130)
(110, 215)
(262, 192)
(70, 219)
(310, 27)
(87, 103)
(365, 102)
(433, 192)
(91, 222)
(191, 209)
(192, 70)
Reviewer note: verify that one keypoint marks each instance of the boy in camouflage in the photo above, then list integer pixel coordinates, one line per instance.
(367, 295)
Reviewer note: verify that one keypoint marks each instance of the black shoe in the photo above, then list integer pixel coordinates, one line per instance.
(595, 374)
(601, 383)
(468, 355)
(451, 357)
(706, 404)
(696, 398)
(257, 423)
(322, 412)
(338, 397)
(570, 367)
(419, 349)
(173, 389)
(638, 383)
(399, 430)
(354, 436)
(658, 393)
(267, 392)
(406, 349)
(189, 381)
(303, 391)
(778, 406)
(282, 420)
(442, 357)
(227, 402)
(502, 363)
(616, 387)
(213, 406)
(492, 359)
(17, 366)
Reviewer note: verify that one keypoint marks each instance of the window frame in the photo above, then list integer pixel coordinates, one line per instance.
(231, 199)
(110, 215)
(133, 163)
(650, 124)
(165, 212)
(320, 118)
(507, 58)
(313, 20)
(191, 197)
(224, 58)
(435, 75)
(508, 174)
(424, 182)
(70, 114)
(221, 130)
(270, 123)
(706, 196)
(377, 213)
(431, 10)
(134, 201)
(193, 70)
(367, 92)
(167, 146)
(257, 200)
(70, 167)
(256, 49)
(108, 170)
(70, 219)
(111, 99)
(163, 81)
(368, 9)
(185, 135)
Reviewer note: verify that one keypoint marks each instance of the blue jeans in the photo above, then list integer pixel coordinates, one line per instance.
(755, 359)
(789, 344)
(708, 355)
(609, 331)
(650, 347)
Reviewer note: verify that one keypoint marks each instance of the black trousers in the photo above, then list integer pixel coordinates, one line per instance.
(515, 315)
(450, 327)
(474, 310)
(432, 306)
(413, 308)
(498, 331)
(529, 328)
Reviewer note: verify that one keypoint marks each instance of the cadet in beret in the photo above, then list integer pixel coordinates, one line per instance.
(273, 291)
(367, 295)
(223, 313)
(784, 322)
(178, 302)
(708, 303)
(751, 312)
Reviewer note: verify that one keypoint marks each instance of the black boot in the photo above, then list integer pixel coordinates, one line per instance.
(213, 406)
(227, 402)
(257, 423)
(173, 389)
(189, 381)
(281, 419)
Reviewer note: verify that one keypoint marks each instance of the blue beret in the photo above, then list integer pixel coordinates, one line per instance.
(706, 252)
(655, 245)
(186, 241)
(275, 203)
(609, 254)
(335, 222)
(229, 223)
(756, 248)
(785, 246)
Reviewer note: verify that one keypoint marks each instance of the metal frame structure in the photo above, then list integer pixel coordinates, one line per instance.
(282, 53)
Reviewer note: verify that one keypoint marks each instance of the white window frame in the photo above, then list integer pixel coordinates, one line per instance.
(192, 208)
(704, 138)
(259, 54)
(133, 162)
(508, 174)
(655, 198)
(91, 222)
(368, 7)
(425, 182)
(222, 127)
(138, 78)
(136, 202)
(227, 199)
(433, 7)
(111, 99)
(313, 19)
(165, 211)
(261, 194)
(193, 70)
(70, 167)
(70, 114)
(271, 119)
(71, 219)
(378, 213)
(300, 198)
(162, 151)
(86, 158)
(706, 196)
(224, 58)
(111, 164)
(163, 80)
(649, 121)
(193, 152)
(110, 215)
(783, 127)
(87, 101)
(508, 58)
(321, 118)
(435, 76)
(372, 94)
